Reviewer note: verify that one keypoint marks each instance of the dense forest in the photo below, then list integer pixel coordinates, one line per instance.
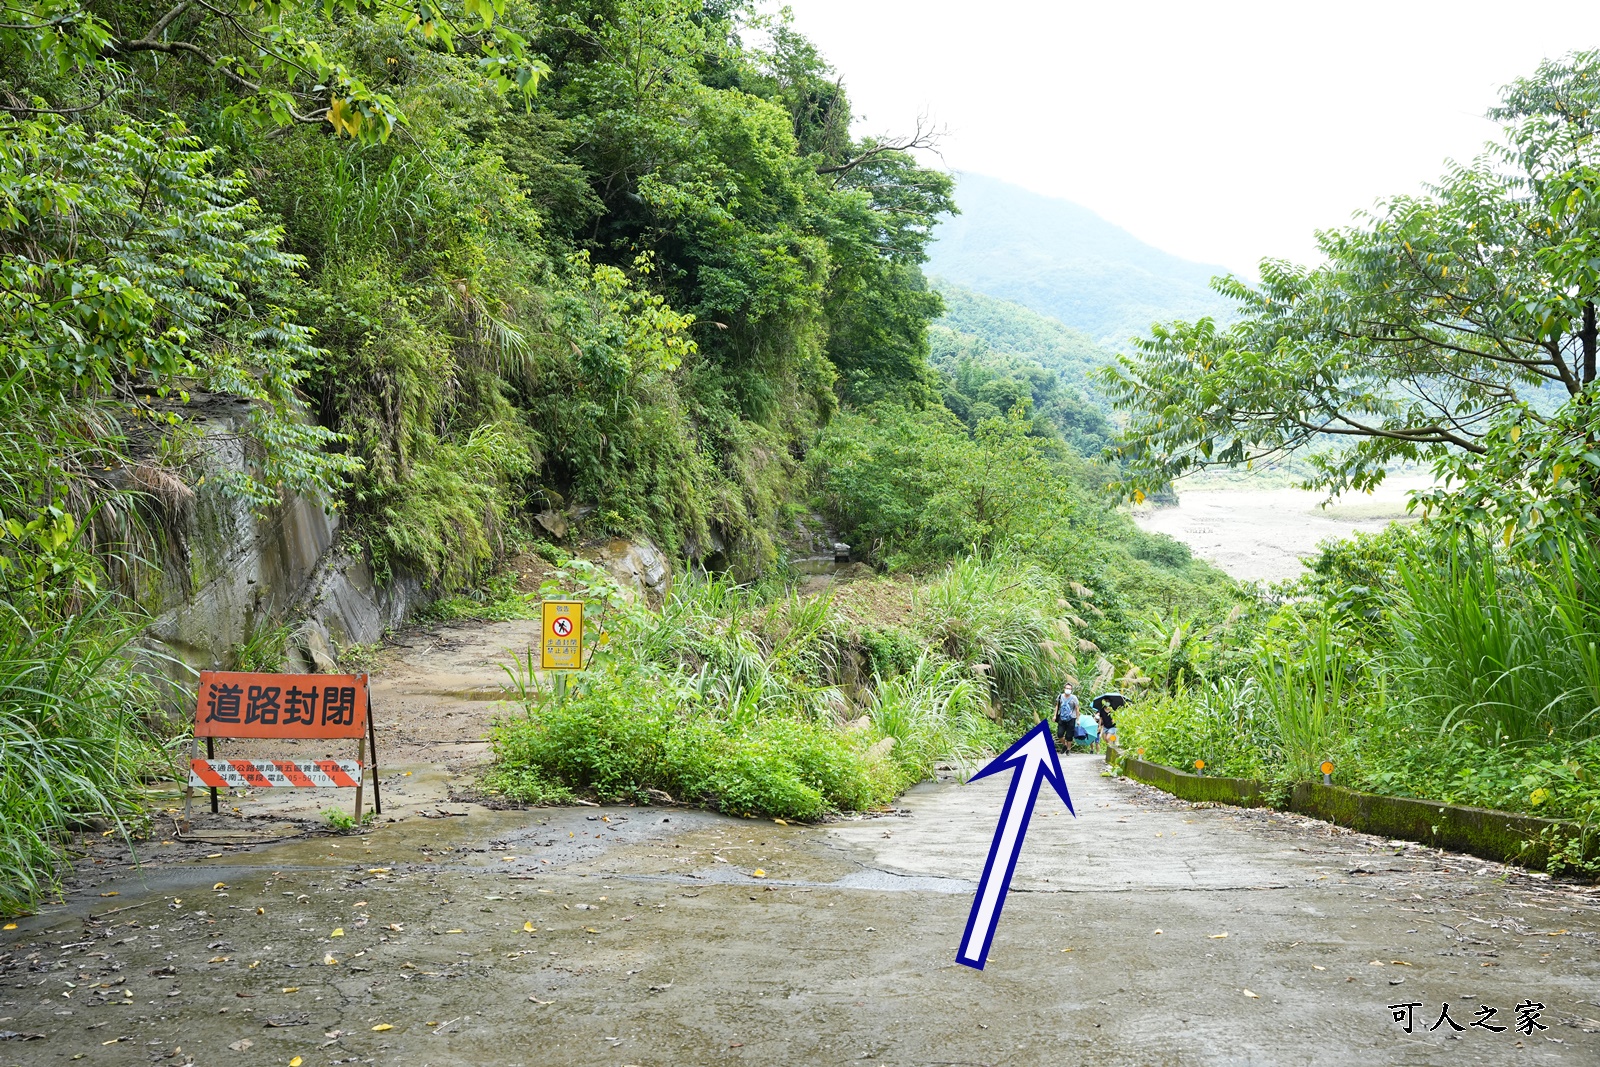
(618, 261)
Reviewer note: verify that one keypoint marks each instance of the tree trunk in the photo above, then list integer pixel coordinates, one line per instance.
(1588, 338)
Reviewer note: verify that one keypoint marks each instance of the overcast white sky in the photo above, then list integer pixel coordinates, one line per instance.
(1219, 130)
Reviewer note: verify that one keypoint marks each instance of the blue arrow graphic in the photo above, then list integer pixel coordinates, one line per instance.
(1034, 757)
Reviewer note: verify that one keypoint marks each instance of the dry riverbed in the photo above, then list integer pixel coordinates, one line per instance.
(1263, 534)
(1144, 931)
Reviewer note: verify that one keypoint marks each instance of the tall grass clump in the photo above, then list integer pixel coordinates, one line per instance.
(73, 742)
(999, 616)
(741, 698)
(1509, 646)
(934, 712)
(1225, 723)
(1307, 684)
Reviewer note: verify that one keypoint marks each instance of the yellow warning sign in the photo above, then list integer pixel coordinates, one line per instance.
(561, 648)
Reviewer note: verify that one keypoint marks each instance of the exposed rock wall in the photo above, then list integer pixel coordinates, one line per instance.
(245, 574)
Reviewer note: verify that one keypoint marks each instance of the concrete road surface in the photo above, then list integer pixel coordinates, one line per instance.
(1145, 931)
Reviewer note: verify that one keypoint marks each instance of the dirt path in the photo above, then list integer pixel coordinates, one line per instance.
(618, 936)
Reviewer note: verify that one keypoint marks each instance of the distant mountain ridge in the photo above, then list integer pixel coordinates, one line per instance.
(1064, 261)
(1008, 329)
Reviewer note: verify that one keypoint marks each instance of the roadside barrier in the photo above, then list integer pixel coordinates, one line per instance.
(1243, 792)
(1504, 837)
(323, 706)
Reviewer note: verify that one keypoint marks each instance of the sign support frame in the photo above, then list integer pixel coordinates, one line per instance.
(368, 737)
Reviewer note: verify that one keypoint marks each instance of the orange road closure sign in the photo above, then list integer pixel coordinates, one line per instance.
(234, 704)
(561, 644)
(316, 706)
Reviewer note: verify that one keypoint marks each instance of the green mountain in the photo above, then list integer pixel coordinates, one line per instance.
(993, 352)
(1010, 329)
(1064, 261)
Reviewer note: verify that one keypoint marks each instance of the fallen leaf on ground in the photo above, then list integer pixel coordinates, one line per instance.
(219, 959)
(328, 960)
(296, 1062)
(338, 931)
(759, 873)
(242, 1045)
(397, 926)
(1252, 996)
(590, 930)
(220, 885)
(113, 893)
(11, 926)
(458, 931)
(381, 1027)
(291, 989)
(536, 1000)
(1223, 934)
(529, 927)
(1158, 931)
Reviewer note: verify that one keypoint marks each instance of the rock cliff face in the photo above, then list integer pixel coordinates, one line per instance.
(638, 566)
(246, 574)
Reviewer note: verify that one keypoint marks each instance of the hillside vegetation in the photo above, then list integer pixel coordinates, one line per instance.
(469, 264)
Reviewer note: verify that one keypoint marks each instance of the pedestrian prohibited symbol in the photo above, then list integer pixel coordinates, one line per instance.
(561, 645)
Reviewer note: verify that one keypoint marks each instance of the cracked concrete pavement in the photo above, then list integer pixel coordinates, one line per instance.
(1144, 931)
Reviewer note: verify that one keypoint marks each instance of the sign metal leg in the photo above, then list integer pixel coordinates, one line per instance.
(211, 753)
(361, 775)
(372, 746)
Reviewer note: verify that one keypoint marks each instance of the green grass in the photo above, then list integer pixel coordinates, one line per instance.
(73, 741)
(496, 600)
(1439, 668)
(1000, 617)
(626, 733)
(744, 699)
(1508, 646)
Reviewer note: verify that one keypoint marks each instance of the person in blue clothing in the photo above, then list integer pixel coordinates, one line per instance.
(1066, 717)
(1088, 731)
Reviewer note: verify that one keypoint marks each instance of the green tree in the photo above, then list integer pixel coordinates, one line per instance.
(277, 71)
(130, 273)
(1436, 324)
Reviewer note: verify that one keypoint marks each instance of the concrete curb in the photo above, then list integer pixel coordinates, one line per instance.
(1243, 792)
(1494, 835)
(1501, 836)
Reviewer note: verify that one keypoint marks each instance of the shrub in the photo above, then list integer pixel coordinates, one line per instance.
(632, 730)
